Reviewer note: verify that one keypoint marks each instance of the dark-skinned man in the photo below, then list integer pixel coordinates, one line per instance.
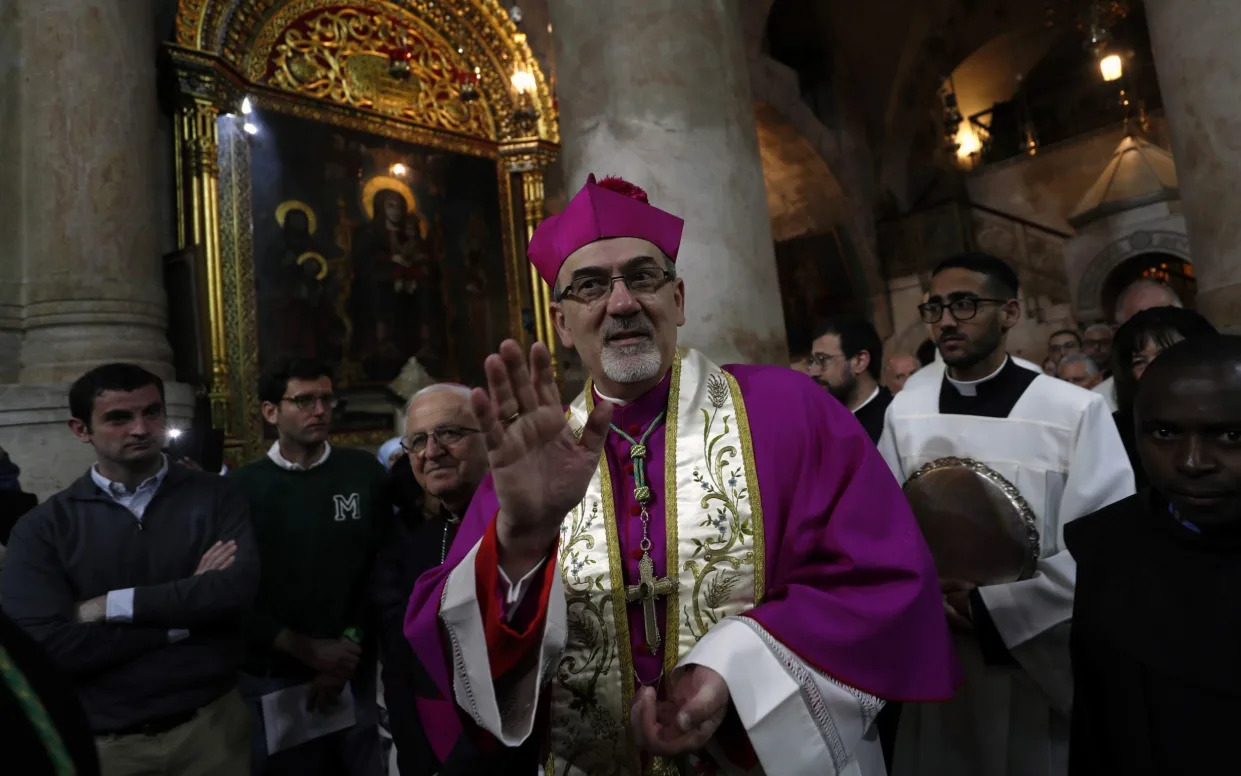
(1157, 616)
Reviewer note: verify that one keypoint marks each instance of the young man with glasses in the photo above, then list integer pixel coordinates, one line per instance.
(318, 514)
(1056, 445)
(619, 574)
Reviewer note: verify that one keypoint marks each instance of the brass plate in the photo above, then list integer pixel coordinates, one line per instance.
(977, 524)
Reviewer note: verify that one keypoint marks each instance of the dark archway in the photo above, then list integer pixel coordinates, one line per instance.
(1176, 272)
(815, 282)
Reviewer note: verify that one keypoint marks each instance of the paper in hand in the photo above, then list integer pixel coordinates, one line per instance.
(287, 722)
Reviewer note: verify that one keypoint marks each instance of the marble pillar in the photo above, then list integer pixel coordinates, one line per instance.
(1199, 66)
(658, 92)
(79, 219)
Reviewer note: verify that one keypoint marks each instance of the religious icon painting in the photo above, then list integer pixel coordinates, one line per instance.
(370, 252)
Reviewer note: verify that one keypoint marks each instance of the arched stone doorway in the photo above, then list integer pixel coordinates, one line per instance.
(1113, 261)
(1175, 271)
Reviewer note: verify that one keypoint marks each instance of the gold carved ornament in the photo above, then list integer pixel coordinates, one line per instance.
(226, 48)
(342, 55)
(469, 34)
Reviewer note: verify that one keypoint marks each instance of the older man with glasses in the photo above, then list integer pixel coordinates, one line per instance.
(318, 514)
(448, 459)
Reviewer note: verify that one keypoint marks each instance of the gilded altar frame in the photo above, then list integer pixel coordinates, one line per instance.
(229, 50)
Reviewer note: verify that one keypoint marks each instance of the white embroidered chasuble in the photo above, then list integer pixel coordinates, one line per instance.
(1060, 448)
(798, 720)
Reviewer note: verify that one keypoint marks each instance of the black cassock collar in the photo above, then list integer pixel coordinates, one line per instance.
(994, 397)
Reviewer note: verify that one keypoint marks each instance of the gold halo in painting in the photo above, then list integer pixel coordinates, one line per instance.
(292, 204)
(381, 182)
(317, 259)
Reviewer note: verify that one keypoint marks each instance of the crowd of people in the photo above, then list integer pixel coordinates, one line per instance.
(691, 569)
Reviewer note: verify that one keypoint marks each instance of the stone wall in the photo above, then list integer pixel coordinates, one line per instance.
(1045, 187)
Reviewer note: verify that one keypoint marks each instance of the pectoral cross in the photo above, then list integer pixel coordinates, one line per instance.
(647, 590)
(649, 587)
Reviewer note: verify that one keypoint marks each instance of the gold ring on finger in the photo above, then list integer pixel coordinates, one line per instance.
(511, 419)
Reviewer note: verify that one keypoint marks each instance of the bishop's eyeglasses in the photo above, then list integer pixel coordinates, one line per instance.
(962, 309)
(587, 288)
(445, 436)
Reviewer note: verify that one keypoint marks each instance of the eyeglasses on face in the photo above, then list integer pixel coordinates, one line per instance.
(307, 401)
(962, 309)
(594, 286)
(445, 436)
(821, 360)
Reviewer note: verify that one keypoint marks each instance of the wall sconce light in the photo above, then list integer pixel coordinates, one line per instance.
(1111, 67)
(524, 84)
(523, 80)
(967, 143)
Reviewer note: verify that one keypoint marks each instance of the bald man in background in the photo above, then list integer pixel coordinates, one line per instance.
(448, 459)
(896, 370)
(1141, 294)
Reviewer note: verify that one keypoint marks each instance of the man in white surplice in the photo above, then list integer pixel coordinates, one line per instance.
(1058, 445)
(712, 567)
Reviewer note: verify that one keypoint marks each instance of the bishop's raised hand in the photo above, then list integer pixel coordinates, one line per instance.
(540, 468)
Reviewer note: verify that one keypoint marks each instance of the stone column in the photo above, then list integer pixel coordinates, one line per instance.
(93, 282)
(658, 92)
(79, 219)
(1199, 65)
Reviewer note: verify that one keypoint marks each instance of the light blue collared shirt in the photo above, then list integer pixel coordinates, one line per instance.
(121, 602)
(136, 500)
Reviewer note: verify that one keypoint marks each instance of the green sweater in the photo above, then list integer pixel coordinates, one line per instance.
(317, 532)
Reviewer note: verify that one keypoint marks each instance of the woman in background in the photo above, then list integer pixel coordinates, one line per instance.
(1136, 345)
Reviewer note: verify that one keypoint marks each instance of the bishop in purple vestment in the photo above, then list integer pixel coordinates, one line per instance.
(850, 613)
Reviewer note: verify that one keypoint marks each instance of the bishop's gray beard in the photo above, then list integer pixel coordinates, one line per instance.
(631, 363)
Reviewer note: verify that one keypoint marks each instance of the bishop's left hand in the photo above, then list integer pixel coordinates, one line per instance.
(686, 718)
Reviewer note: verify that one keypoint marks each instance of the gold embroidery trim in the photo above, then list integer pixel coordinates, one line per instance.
(756, 499)
(620, 608)
(672, 640)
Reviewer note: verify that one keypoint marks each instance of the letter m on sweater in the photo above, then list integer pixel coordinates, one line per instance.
(347, 507)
